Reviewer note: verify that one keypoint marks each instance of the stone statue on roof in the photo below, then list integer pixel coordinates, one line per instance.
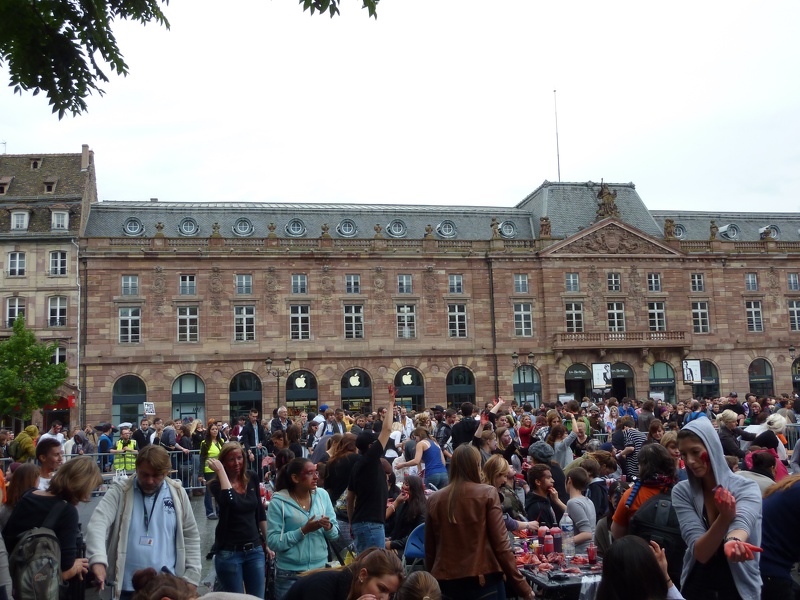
(544, 227)
(378, 230)
(713, 230)
(669, 229)
(607, 207)
(495, 229)
(429, 231)
(325, 230)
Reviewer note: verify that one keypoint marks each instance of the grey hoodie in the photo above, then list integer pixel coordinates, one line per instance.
(687, 498)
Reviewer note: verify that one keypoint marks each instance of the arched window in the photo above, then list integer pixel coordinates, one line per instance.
(301, 392)
(662, 381)
(410, 389)
(189, 397)
(527, 385)
(357, 391)
(760, 375)
(127, 398)
(244, 394)
(460, 387)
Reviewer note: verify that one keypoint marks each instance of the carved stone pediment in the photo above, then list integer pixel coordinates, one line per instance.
(610, 238)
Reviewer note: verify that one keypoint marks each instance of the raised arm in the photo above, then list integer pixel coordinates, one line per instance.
(387, 431)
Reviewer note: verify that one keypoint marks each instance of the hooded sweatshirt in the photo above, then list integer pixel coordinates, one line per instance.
(293, 550)
(687, 498)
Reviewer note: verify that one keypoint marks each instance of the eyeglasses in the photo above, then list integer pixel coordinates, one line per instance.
(309, 473)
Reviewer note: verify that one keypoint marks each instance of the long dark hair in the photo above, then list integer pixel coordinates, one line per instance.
(284, 481)
(416, 504)
(631, 570)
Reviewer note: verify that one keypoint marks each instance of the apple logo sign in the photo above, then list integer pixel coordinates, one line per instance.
(407, 379)
(354, 380)
(300, 381)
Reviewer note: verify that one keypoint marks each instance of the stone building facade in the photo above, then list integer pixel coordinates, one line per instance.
(43, 200)
(185, 301)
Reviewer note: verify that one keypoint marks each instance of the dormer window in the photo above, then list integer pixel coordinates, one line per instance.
(36, 163)
(19, 220)
(4, 183)
(188, 226)
(49, 186)
(59, 220)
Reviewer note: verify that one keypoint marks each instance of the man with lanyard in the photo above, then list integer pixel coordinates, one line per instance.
(146, 521)
(254, 438)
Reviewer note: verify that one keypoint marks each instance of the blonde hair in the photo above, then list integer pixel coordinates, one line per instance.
(494, 467)
(669, 438)
(727, 416)
(76, 480)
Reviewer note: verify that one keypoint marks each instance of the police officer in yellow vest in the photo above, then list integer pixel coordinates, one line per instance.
(126, 451)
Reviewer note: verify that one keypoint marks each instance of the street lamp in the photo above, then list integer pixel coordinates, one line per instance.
(791, 352)
(517, 365)
(278, 373)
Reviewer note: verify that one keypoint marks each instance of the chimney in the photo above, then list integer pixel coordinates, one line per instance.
(85, 157)
(153, 199)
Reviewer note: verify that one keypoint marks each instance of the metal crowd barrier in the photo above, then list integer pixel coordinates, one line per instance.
(792, 434)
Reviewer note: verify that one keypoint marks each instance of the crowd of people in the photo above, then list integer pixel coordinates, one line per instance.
(362, 485)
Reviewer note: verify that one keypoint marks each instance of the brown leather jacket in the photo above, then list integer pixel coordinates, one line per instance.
(477, 544)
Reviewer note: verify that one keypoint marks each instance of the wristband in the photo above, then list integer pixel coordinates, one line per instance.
(731, 539)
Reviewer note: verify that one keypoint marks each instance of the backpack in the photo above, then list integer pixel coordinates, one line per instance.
(35, 562)
(656, 520)
(13, 450)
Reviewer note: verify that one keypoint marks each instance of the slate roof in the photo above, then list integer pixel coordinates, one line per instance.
(27, 184)
(106, 219)
(696, 224)
(572, 207)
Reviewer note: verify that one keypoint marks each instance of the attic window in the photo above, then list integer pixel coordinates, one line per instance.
(19, 220)
(36, 163)
(49, 187)
(680, 231)
(59, 219)
(188, 226)
(396, 228)
(3, 189)
(508, 229)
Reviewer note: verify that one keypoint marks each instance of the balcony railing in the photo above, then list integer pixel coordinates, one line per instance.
(57, 322)
(621, 339)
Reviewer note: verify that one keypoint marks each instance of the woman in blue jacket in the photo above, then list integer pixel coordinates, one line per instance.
(299, 520)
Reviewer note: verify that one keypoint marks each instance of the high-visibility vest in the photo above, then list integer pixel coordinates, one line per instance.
(126, 460)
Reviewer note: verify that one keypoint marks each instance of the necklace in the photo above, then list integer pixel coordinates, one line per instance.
(302, 504)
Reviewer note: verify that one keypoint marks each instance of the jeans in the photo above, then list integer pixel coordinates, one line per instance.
(241, 572)
(367, 535)
(284, 580)
(438, 479)
(208, 500)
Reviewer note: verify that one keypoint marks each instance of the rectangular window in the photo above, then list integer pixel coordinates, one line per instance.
(751, 282)
(654, 282)
(406, 321)
(57, 311)
(244, 284)
(16, 263)
(244, 323)
(352, 284)
(456, 284)
(698, 282)
(188, 323)
(130, 322)
(457, 320)
(572, 282)
(15, 307)
(300, 321)
(58, 263)
(404, 284)
(188, 285)
(700, 321)
(353, 322)
(616, 316)
(59, 220)
(793, 282)
(574, 312)
(755, 320)
(19, 221)
(520, 283)
(130, 285)
(794, 315)
(657, 315)
(523, 319)
(59, 356)
(299, 283)
(614, 282)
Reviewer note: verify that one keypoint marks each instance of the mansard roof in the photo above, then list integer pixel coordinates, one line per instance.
(572, 207)
(107, 218)
(745, 226)
(27, 183)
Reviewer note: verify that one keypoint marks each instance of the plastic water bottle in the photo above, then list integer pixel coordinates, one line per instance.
(567, 535)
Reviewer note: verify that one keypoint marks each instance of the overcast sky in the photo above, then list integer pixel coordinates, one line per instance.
(443, 102)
